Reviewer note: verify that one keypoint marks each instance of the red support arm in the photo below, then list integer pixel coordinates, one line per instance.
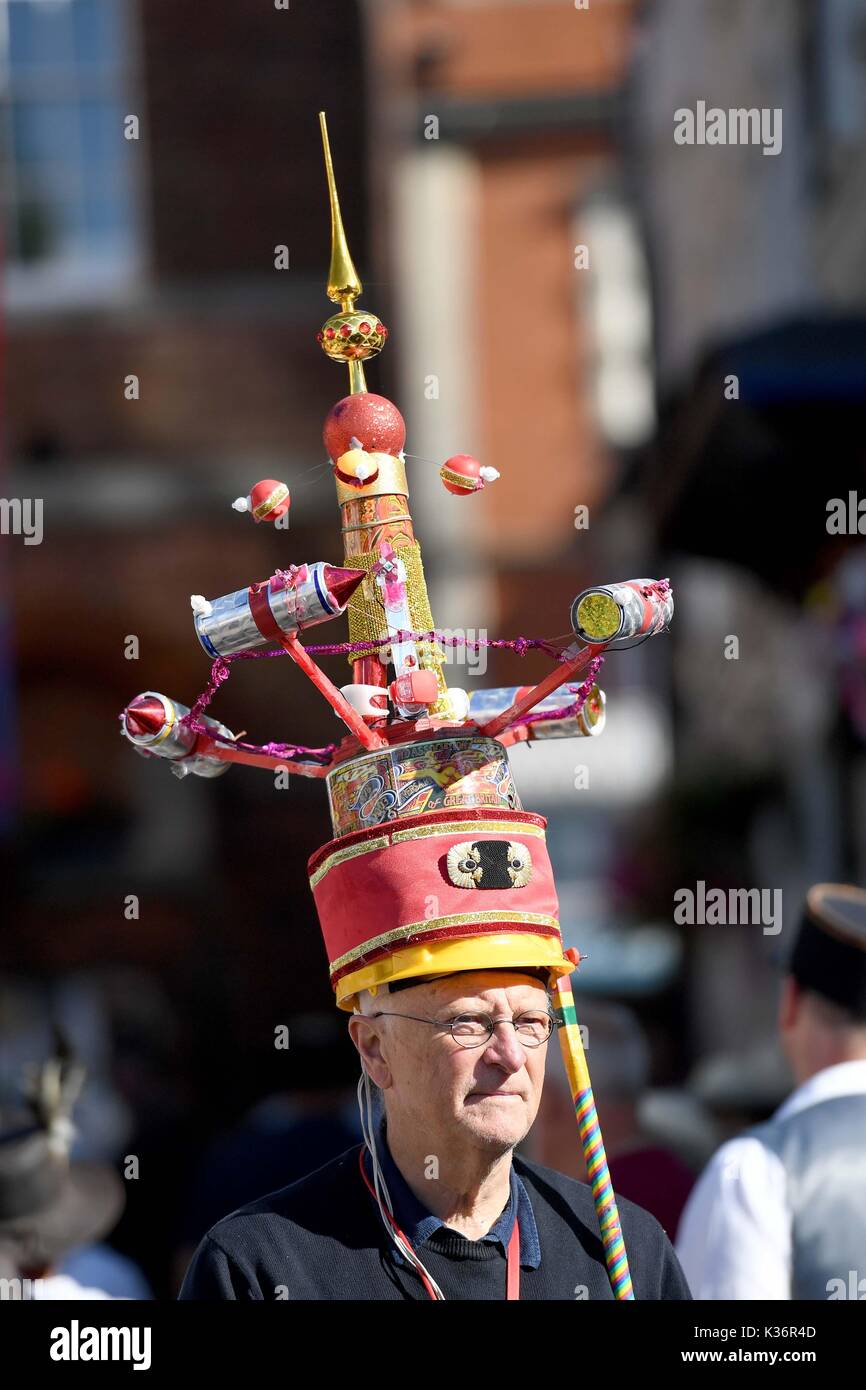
(552, 681)
(366, 736)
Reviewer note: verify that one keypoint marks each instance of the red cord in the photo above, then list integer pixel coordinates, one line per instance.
(424, 1279)
(512, 1277)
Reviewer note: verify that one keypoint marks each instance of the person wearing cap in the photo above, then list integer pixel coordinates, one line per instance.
(49, 1205)
(440, 918)
(444, 943)
(779, 1212)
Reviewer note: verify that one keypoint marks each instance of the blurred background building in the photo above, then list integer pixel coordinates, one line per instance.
(669, 336)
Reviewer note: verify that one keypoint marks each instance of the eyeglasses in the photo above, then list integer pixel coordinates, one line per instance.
(474, 1030)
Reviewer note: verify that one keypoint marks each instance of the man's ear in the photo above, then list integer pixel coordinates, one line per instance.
(365, 1036)
(790, 1001)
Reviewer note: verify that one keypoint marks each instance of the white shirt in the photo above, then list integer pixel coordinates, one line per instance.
(734, 1238)
(62, 1288)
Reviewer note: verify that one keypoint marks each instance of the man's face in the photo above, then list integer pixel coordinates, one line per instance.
(489, 1093)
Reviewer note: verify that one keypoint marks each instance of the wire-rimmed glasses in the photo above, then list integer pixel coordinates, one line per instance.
(533, 1027)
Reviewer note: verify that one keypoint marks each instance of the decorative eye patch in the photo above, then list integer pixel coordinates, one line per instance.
(489, 864)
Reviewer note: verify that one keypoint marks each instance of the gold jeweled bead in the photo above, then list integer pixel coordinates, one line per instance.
(352, 336)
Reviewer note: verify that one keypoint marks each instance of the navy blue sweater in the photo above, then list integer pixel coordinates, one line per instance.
(323, 1238)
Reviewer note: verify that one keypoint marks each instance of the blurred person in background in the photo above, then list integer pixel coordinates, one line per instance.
(641, 1169)
(780, 1211)
(292, 1130)
(49, 1206)
(153, 1070)
(31, 1013)
(45, 1022)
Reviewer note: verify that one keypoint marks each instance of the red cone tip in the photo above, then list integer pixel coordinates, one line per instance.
(342, 583)
(145, 716)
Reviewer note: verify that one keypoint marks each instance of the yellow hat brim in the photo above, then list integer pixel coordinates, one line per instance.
(505, 951)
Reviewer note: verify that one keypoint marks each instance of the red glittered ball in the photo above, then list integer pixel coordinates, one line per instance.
(268, 500)
(372, 420)
(461, 474)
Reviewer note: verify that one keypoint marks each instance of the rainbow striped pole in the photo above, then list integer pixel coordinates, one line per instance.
(593, 1145)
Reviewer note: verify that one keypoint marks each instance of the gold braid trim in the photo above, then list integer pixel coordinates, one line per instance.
(456, 919)
(458, 827)
(350, 852)
(469, 827)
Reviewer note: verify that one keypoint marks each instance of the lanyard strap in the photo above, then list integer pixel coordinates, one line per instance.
(512, 1267)
(512, 1259)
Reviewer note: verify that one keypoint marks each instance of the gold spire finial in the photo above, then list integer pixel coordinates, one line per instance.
(353, 334)
(344, 287)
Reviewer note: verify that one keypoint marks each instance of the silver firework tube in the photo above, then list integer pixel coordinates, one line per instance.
(152, 723)
(258, 617)
(617, 612)
(587, 723)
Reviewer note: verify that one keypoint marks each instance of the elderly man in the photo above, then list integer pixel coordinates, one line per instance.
(435, 1204)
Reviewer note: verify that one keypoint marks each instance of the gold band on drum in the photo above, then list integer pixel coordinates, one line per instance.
(390, 479)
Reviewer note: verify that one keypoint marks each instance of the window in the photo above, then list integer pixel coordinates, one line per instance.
(620, 319)
(68, 172)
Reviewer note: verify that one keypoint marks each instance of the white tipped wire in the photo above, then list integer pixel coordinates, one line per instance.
(383, 1197)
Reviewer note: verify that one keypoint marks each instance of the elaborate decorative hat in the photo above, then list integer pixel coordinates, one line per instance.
(434, 866)
(446, 890)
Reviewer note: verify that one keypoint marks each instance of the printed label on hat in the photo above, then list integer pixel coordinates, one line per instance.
(433, 776)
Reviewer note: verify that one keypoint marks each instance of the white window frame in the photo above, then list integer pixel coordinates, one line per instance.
(81, 279)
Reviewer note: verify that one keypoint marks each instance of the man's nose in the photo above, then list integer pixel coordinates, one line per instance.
(505, 1046)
